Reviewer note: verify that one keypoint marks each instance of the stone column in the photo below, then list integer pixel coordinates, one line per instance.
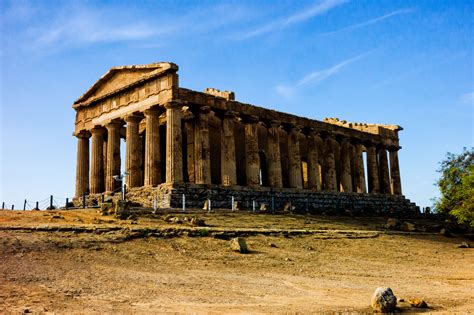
(383, 171)
(189, 126)
(82, 164)
(359, 174)
(202, 150)
(314, 177)
(372, 170)
(97, 161)
(104, 156)
(228, 161)
(252, 159)
(346, 179)
(174, 145)
(152, 148)
(133, 152)
(294, 159)
(336, 147)
(395, 182)
(274, 156)
(113, 156)
(330, 181)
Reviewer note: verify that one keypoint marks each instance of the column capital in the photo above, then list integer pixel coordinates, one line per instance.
(230, 114)
(173, 104)
(114, 124)
(251, 119)
(82, 134)
(152, 111)
(98, 130)
(393, 148)
(132, 118)
(274, 124)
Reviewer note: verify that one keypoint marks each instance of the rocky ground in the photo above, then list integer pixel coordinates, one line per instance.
(81, 261)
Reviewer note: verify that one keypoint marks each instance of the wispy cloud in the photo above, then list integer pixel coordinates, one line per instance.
(371, 21)
(299, 17)
(317, 76)
(467, 98)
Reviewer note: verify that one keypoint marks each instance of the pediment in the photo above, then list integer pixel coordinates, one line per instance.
(119, 78)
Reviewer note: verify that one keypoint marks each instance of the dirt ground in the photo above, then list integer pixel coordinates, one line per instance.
(329, 264)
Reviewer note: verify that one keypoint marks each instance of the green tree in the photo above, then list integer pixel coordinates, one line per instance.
(457, 186)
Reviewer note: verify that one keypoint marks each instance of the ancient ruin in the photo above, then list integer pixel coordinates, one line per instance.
(206, 145)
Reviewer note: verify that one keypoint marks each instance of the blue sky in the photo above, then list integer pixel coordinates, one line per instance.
(396, 62)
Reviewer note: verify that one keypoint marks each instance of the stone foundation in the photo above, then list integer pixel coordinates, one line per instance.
(301, 201)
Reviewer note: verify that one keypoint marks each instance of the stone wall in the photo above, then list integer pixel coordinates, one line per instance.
(171, 196)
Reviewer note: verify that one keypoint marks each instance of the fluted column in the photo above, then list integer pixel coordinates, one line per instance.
(314, 178)
(82, 164)
(133, 152)
(372, 170)
(228, 160)
(152, 148)
(330, 181)
(97, 161)
(395, 182)
(274, 156)
(113, 156)
(359, 173)
(252, 159)
(346, 179)
(202, 150)
(336, 147)
(174, 145)
(383, 172)
(294, 159)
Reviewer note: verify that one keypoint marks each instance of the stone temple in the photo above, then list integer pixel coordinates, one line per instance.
(206, 145)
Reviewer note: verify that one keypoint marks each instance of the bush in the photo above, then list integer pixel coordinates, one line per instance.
(456, 185)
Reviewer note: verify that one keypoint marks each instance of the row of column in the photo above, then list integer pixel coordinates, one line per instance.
(331, 166)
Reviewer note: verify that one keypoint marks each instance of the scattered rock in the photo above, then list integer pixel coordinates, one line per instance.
(287, 259)
(408, 227)
(263, 207)
(105, 208)
(393, 224)
(273, 245)
(206, 205)
(176, 220)
(419, 303)
(383, 300)
(57, 217)
(464, 245)
(286, 207)
(401, 300)
(197, 222)
(238, 244)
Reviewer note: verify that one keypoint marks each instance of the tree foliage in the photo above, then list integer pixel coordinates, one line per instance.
(457, 186)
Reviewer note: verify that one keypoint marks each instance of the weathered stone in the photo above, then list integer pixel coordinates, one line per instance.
(383, 300)
(464, 245)
(419, 303)
(393, 224)
(408, 227)
(238, 244)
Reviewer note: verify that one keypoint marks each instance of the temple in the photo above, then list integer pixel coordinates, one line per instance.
(206, 145)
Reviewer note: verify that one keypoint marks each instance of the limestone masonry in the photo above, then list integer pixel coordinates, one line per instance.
(207, 145)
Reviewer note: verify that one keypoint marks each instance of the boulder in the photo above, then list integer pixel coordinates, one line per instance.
(464, 245)
(419, 303)
(238, 244)
(383, 300)
(408, 227)
(393, 224)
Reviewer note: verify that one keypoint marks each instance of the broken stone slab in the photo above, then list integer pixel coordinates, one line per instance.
(238, 244)
(383, 300)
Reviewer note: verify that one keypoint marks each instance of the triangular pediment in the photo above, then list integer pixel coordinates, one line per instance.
(119, 78)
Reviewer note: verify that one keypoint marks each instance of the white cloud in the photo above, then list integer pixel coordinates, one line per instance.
(302, 16)
(371, 21)
(467, 98)
(317, 76)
